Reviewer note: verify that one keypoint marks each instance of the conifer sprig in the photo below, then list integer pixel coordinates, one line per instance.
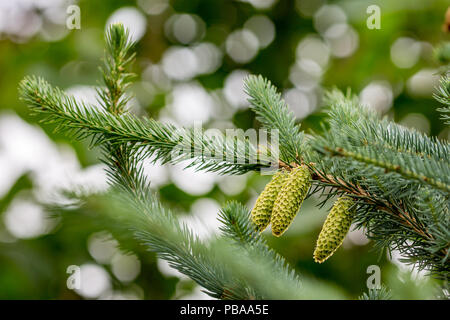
(274, 114)
(443, 96)
(357, 133)
(116, 75)
(146, 137)
(124, 169)
(382, 293)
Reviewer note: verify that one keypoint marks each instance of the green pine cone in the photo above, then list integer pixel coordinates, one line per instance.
(334, 229)
(290, 199)
(262, 211)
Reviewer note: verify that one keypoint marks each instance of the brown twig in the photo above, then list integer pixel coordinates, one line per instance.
(359, 191)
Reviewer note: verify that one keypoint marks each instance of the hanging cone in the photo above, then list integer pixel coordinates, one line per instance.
(334, 229)
(262, 211)
(289, 199)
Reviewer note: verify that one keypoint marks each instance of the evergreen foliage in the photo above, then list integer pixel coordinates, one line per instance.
(377, 294)
(443, 96)
(398, 178)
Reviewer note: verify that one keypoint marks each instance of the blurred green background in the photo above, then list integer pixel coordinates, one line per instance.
(191, 59)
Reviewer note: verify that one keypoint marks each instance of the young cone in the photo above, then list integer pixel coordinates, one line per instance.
(334, 229)
(289, 199)
(262, 211)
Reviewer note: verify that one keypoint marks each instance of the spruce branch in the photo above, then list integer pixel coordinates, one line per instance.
(116, 75)
(377, 294)
(387, 169)
(363, 127)
(374, 212)
(372, 157)
(274, 114)
(442, 95)
(155, 227)
(125, 171)
(224, 270)
(146, 137)
(358, 133)
(237, 225)
(397, 177)
(112, 125)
